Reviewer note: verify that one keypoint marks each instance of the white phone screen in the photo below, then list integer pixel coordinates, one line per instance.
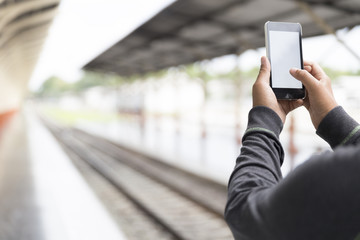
(284, 54)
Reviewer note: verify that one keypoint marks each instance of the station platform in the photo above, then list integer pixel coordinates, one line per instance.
(43, 196)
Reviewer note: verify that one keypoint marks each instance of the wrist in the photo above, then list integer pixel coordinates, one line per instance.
(336, 127)
(282, 115)
(263, 117)
(273, 107)
(322, 115)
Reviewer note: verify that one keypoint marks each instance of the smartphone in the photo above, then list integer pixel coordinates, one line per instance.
(284, 51)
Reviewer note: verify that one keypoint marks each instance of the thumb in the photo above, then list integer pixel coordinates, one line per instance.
(305, 77)
(264, 73)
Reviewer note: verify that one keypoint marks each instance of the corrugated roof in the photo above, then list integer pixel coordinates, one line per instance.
(23, 29)
(192, 30)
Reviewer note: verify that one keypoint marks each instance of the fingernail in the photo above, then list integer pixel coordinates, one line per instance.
(293, 70)
(262, 60)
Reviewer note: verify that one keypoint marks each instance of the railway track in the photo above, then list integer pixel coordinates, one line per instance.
(185, 206)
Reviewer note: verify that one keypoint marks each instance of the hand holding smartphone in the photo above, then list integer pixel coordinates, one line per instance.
(284, 51)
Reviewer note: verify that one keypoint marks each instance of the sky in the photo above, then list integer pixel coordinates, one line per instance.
(325, 50)
(73, 39)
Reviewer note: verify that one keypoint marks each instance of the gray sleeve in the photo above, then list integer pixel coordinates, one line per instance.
(339, 129)
(315, 201)
(257, 169)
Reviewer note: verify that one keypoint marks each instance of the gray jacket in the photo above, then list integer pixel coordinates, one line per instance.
(320, 199)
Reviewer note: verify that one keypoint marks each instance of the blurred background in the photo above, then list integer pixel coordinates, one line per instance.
(123, 119)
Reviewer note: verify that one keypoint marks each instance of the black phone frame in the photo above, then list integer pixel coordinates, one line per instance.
(285, 93)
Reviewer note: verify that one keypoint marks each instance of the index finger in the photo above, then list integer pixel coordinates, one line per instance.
(316, 70)
(305, 77)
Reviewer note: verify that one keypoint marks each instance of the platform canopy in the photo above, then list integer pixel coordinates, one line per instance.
(193, 30)
(24, 26)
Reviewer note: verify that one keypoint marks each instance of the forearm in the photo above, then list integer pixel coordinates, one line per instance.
(257, 168)
(338, 128)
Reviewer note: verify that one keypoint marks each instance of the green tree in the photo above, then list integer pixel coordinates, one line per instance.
(92, 79)
(89, 79)
(53, 87)
(334, 74)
